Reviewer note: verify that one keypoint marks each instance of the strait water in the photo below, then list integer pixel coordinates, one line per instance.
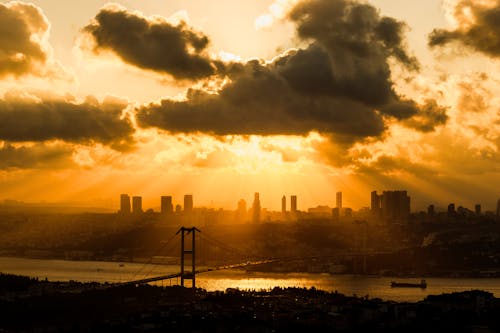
(86, 271)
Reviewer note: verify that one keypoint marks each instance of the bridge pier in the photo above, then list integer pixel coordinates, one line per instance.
(188, 274)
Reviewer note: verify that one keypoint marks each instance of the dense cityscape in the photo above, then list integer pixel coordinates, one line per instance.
(387, 207)
(249, 166)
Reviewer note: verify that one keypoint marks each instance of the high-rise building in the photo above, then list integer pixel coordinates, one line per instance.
(241, 212)
(498, 207)
(293, 204)
(451, 210)
(188, 203)
(242, 206)
(477, 209)
(166, 205)
(395, 205)
(339, 200)
(256, 208)
(430, 210)
(136, 205)
(375, 204)
(336, 214)
(283, 204)
(391, 205)
(124, 204)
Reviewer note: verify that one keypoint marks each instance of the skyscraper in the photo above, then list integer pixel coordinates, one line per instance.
(477, 209)
(339, 200)
(391, 205)
(293, 204)
(451, 210)
(188, 203)
(241, 212)
(136, 205)
(395, 205)
(256, 208)
(124, 204)
(283, 204)
(166, 205)
(430, 210)
(375, 204)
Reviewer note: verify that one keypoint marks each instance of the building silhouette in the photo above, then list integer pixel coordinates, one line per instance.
(293, 204)
(339, 200)
(477, 209)
(336, 214)
(431, 210)
(188, 203)
(166, 205)
(375, 207)
(124, 204)
(256, 208)
(241, 211)
(283, 204)
(391, 205)
(451, 210)
(498, 207)
(136, 205)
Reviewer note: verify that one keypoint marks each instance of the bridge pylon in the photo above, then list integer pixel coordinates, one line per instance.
(188, 274)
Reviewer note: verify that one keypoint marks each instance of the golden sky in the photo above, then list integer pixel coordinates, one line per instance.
(223, 98)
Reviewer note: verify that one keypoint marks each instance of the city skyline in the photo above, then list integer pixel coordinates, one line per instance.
(305, 97)
(387, 204)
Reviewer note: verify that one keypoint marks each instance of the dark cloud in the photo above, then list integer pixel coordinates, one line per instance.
(25, 119)
(152, 43)
(260, 101)
(36, 156)
(22, 27)
(479, 30)
(340, 85)
(359, 38)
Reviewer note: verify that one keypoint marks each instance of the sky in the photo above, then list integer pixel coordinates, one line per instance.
(222, 98)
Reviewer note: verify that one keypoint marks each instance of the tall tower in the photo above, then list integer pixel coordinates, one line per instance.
(188, 203)
(124, 204)
(283, 204)
(136, 205)
(375, 203)
(339, 200)
(293, 204)
(241, 212)
(477, 209)
(166, 205)
(256, 208)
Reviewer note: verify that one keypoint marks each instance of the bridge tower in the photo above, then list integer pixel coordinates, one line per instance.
(188, 274)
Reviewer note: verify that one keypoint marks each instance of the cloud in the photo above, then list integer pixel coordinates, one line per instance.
(35, 156)
(32, 118)
(152, 43)
(23, 30)
(478, 27)
(339, 85)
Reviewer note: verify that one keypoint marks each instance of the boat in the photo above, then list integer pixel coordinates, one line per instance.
(422, 284)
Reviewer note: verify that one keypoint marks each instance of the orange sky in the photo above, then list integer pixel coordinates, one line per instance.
(221, 99)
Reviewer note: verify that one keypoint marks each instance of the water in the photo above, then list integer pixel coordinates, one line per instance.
(85, 271)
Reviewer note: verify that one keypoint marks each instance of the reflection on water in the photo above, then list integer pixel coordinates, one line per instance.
(59, 270)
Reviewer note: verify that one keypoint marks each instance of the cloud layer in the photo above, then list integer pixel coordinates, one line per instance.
(339, 85)
(35, 156)
(30, 118)
(478, 27)
(23, 28)
(152, 43)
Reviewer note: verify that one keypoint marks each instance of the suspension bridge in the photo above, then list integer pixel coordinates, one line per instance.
(199, 253)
